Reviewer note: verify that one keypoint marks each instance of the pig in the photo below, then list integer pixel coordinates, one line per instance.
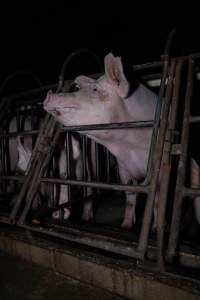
(111, 99)
(24, 155)
(20, 154)
(195, 183)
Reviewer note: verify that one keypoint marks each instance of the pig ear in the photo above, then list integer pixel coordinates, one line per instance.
(83, 80)
(115, 74)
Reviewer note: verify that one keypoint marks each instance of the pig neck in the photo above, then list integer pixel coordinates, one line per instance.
(130, 146)
(140, 106)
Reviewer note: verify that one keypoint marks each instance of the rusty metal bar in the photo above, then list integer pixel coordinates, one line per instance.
(41, 140)
(69, 150)
(178, 198)
(191, 192)
(116, 187)
(143, 240)
(194, 119)
(89, 239)
(84, 163)
(166, 167)
(122, 125)
(38, 166)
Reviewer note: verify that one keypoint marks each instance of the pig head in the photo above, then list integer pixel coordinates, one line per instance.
(110, 99)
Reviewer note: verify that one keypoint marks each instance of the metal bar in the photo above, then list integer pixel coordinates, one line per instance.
(107, 165)
(149, 65)
(69, 151)
(84, 158)
(32, 163)
(89, 239)
(166, 167)
(122, 125)
(157, 121)
(40, 165)
(97, 166)
(19, 133)
(190, 192)
(178, 198)
(12, 177)
(117, 187)
(194, 119)
(107, 186)
(143, 240)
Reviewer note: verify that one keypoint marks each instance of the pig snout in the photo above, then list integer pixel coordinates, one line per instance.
(50, 104)
(48, 100)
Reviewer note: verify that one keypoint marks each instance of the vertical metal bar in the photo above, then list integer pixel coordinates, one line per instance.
(157, 120)
(178, 198)
(107, 166)
(84, 153)
(166, 168)
(142, 245)
(34, 181)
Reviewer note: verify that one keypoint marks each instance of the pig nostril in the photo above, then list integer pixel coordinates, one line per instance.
(47, 99)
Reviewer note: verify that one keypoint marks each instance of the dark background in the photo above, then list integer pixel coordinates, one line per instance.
(38, 36)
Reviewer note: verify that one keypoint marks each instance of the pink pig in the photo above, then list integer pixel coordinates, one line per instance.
(109, 100)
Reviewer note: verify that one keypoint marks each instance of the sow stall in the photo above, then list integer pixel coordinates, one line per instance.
(174, 80)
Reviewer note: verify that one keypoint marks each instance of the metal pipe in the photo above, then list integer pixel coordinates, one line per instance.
(122, 125)
(143, 239)
(164, 176)
(89, 239)
(178, 198)
(106, 186)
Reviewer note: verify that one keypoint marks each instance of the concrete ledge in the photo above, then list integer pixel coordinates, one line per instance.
(95, 270)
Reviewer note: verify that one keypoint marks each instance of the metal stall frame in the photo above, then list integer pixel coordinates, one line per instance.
(46, 141)
(181, 191)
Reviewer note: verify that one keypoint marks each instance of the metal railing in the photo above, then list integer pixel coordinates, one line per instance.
(164, 148)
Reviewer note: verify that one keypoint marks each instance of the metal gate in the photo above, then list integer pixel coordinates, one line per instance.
(168, 156)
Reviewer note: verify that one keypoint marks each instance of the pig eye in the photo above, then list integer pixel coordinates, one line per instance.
(95, 89)
(74, 88)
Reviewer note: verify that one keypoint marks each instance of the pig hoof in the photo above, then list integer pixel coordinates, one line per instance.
(126, 225)
(56, 214)
(154, 228)
(66, 213)
(87, 216)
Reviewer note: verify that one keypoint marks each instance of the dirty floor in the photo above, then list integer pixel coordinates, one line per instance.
(20, 280)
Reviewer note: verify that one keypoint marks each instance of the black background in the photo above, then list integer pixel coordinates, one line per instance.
(38, 36)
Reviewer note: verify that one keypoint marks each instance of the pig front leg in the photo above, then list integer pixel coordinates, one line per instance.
(195, 184)
(63, 198)
(87, 205)
(129, 215)
(63, 193)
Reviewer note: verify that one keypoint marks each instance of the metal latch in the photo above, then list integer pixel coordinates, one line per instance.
(176, 149)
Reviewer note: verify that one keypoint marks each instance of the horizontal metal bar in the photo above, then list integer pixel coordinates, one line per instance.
(11, 177)
(19, 133)
(116, 187)
(106, 186)
(122, 125)
(194, 119)
(149, 65)
(191, 192)
(89, 239)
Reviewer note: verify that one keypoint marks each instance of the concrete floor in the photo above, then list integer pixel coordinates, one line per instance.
(20, 280)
